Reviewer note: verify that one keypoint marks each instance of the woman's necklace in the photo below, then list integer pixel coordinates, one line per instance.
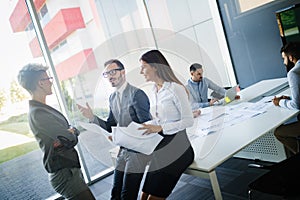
(159, 85)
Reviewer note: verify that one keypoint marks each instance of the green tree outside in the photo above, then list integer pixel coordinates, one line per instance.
(3, 98)
(17, 93)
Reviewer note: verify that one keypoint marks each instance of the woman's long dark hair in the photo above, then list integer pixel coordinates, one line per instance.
(164, 71)
(157, 60)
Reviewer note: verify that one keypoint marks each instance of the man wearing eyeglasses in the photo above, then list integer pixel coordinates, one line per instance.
(127, 104)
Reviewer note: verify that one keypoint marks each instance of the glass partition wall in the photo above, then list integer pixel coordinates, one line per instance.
(75, 38)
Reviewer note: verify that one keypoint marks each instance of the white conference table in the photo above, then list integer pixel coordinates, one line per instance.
(215, 148)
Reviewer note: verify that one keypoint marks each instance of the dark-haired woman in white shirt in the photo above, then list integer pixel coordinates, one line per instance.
(172, 115)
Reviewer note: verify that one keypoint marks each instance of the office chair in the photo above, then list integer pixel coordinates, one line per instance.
(282, 179)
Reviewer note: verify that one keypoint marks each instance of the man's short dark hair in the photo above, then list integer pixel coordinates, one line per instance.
(195, 66)
(291, 49)
(117, 62)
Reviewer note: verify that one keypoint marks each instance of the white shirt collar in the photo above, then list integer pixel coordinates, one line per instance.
(122, 88)
(165, 84)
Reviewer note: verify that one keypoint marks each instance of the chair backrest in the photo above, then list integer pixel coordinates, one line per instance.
(281, 179)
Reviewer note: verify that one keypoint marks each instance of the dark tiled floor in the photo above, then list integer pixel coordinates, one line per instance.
(18, 181)
(233, 183)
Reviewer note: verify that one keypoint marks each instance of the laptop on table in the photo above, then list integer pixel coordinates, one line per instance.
(230, 95)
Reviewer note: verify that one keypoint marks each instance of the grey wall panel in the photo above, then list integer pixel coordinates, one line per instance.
(254, 41)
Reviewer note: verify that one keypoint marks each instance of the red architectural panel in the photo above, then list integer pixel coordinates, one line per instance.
(20, 18)
(61, 25)
(81, 62)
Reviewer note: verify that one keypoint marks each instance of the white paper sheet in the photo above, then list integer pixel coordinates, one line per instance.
(132, 138)
(213, 119)
(95, 128)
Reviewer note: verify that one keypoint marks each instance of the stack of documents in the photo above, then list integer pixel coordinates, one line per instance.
(213, 119)
(129, 137)
(132, 138)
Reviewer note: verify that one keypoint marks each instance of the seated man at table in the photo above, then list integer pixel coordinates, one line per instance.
(198, 87)
(288, 133)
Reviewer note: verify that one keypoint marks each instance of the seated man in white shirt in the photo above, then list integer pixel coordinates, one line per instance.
(288, 134)
(198, 87)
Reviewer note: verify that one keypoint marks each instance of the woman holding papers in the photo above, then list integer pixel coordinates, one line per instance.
(172, 115)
